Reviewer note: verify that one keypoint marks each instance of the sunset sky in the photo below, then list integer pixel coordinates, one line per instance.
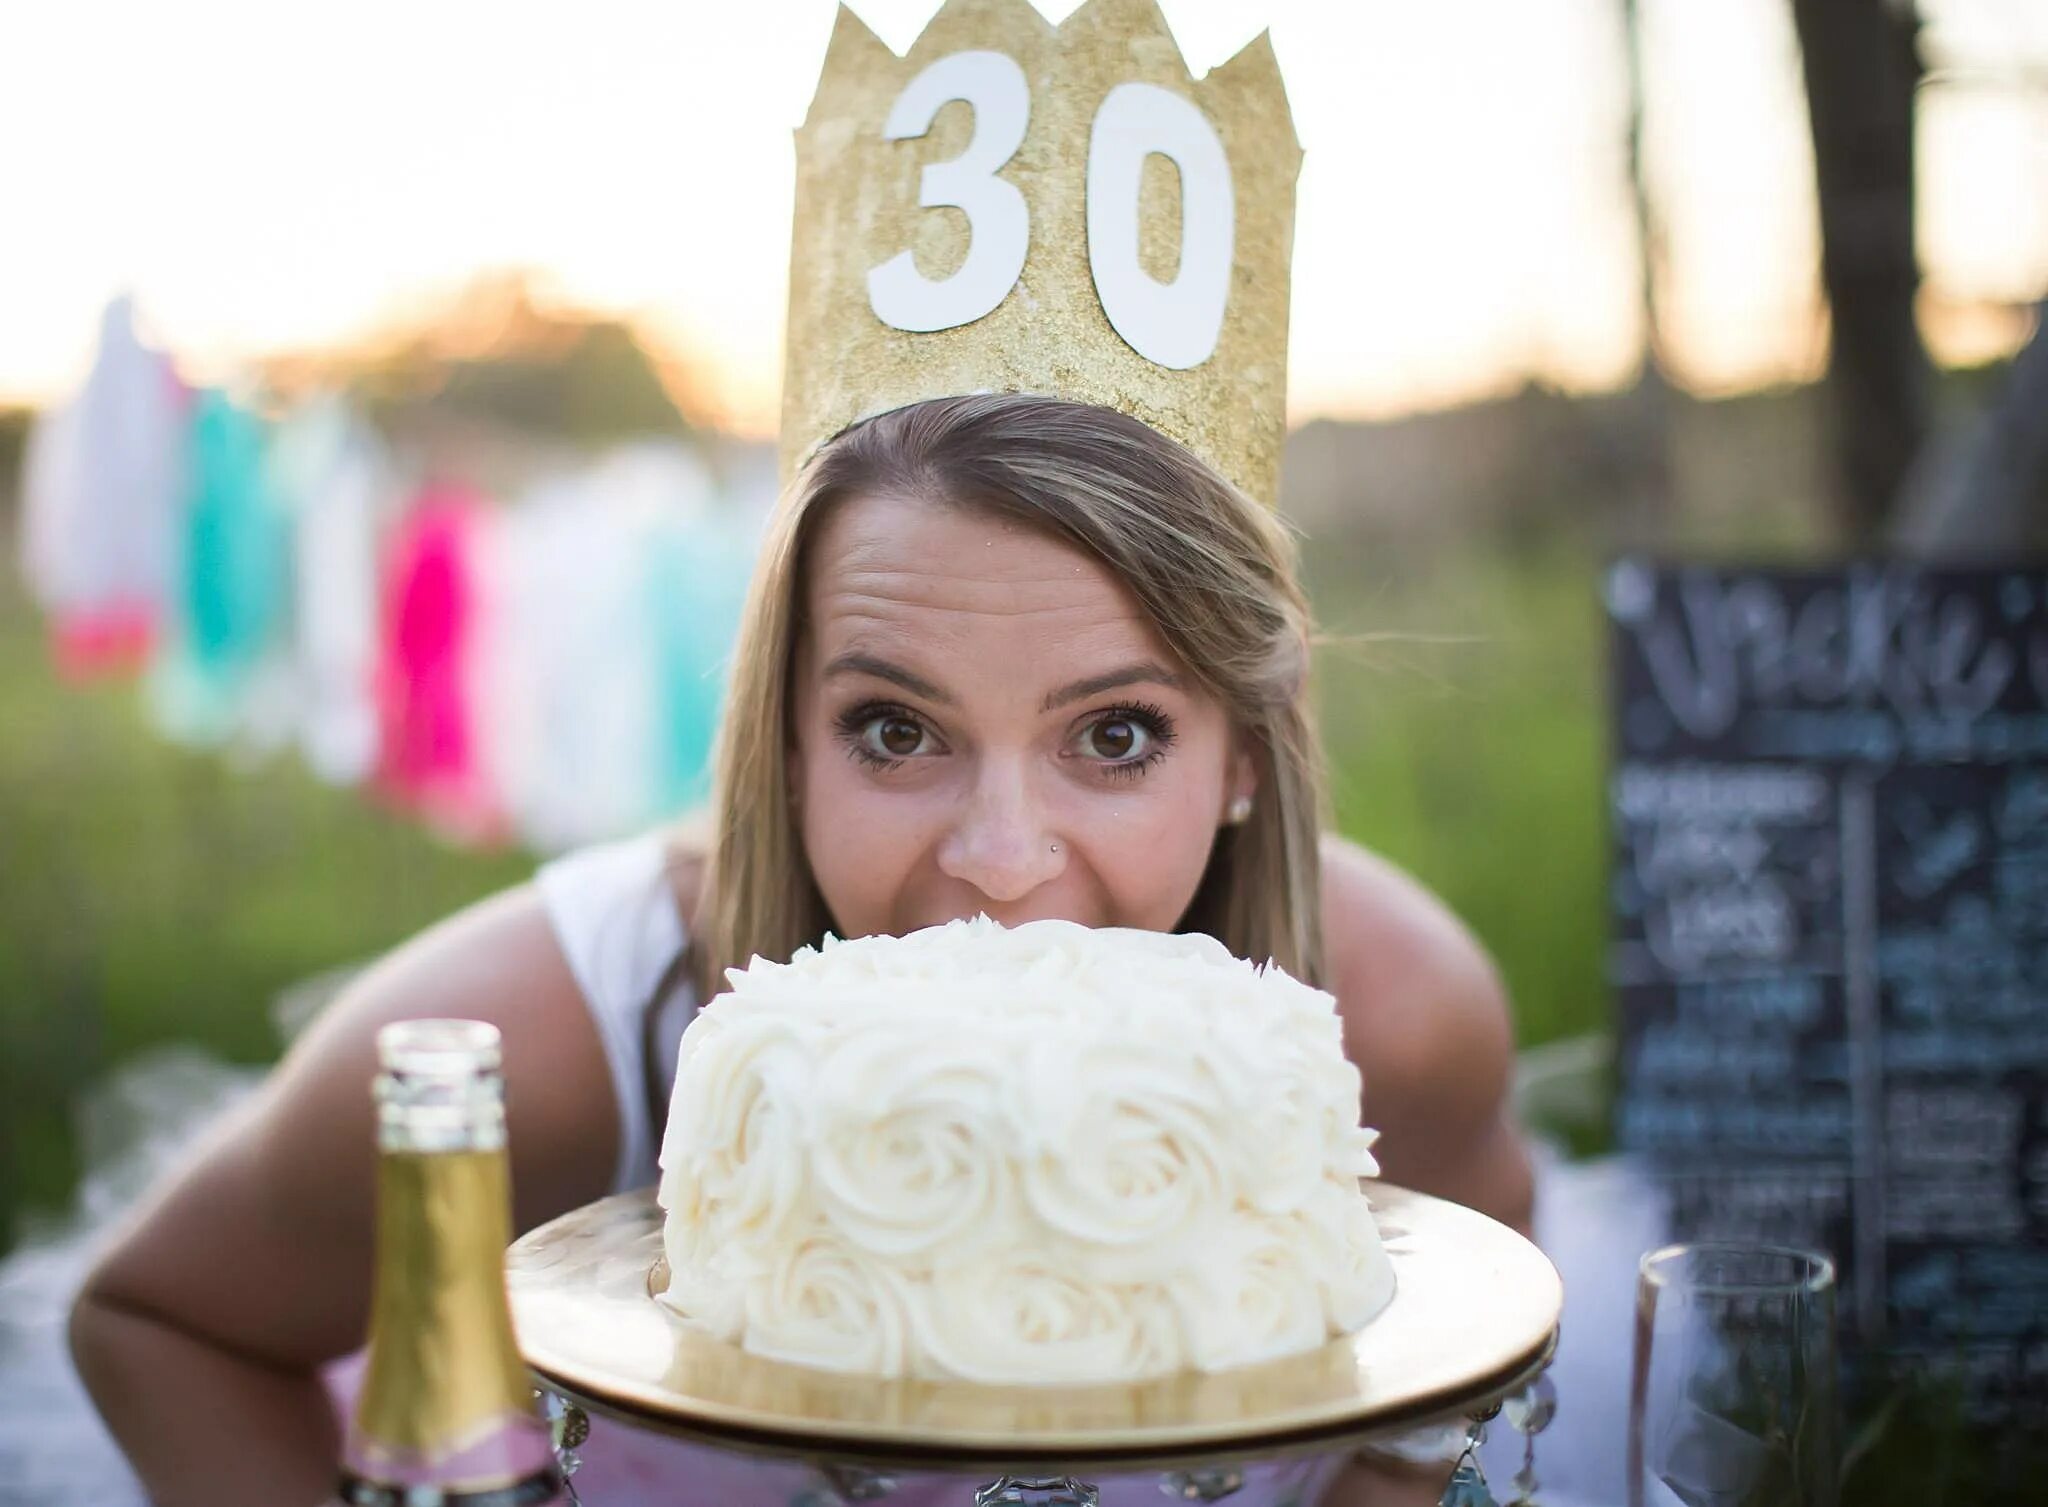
(268, 177)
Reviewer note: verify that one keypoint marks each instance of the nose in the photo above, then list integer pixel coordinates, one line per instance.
(1002, 843)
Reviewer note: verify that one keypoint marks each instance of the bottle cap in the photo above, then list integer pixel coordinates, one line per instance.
(440, 1086)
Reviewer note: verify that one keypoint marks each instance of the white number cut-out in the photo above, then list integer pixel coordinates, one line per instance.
(1175, 324)
(998, 224)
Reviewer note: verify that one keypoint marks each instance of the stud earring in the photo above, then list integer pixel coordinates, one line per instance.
(1240, 811)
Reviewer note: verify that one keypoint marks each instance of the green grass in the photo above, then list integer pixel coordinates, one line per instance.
(1463, 713)
(150, 894)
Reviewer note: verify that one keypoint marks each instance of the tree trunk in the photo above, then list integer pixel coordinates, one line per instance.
(1983, 494)
(1649, 230)
(1649, 478)
(1862, 64)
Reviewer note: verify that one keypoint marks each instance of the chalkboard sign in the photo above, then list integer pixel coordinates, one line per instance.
(1829, 807)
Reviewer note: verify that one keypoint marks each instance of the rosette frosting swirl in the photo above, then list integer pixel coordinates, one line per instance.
(1043, 1154)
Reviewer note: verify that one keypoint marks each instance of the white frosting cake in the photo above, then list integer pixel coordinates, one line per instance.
(1046, 1154)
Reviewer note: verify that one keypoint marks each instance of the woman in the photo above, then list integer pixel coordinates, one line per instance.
(1003, 654)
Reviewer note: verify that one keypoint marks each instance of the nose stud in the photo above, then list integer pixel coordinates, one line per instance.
(1055, 847)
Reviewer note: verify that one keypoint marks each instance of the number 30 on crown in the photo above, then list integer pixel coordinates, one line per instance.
(1173, 324)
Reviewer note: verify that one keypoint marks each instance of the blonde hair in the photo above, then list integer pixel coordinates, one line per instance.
(1214, 571)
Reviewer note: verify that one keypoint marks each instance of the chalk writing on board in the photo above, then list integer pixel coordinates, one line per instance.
(1829, 806)
(1715, 645)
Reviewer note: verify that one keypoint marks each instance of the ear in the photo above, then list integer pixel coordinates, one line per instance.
(1241, 782)
(1244, 775)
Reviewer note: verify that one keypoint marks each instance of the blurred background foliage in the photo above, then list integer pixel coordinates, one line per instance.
(152, 895)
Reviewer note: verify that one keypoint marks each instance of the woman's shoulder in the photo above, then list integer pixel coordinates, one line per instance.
(1380, 921)
(1424, 1008)
(660, 861)
(498, 960)
(510, 958)
(497, 957)
(287, 1187)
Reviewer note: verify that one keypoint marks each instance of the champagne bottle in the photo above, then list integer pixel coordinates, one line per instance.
(446, 1416)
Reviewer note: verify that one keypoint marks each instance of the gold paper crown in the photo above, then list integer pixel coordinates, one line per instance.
(1075, 261)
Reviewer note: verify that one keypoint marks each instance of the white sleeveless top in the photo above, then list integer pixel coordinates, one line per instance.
(615, 918)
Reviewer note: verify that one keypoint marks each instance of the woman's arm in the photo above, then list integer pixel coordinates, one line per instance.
(1426, 1020)
(200, 1331)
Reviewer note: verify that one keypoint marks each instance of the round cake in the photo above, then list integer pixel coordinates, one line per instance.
(1044, 1154)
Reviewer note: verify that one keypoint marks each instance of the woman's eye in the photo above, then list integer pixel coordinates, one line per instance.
(882, 737)
(1125, 740)
(895, 737)
(1116, 739)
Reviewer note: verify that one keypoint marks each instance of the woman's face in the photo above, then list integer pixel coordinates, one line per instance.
(984, 720)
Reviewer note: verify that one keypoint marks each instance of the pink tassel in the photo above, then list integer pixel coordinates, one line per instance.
(428, 755)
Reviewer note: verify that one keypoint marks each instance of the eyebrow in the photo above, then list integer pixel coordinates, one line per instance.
(856, 663)
(1142, 673)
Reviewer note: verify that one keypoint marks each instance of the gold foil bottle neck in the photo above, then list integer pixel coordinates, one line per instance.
(446, 1403)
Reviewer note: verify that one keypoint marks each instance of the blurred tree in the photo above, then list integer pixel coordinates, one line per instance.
(1862, 65)
(1649, 228)
(501, 357)
(1647, 484)
(599, 385)
(1984, 490)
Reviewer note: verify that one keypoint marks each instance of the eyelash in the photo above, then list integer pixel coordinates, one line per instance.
(1158, 726)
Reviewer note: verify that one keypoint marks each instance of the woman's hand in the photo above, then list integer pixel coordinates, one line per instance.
(201, 1330)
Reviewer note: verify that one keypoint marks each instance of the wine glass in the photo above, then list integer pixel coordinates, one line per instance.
(1733, 1401)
